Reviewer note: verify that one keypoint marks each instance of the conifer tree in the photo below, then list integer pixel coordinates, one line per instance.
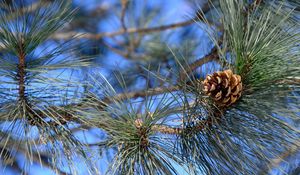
(168, 109)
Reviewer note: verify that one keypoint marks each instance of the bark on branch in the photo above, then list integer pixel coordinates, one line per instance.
(21, 72)
(212, 56)
(76, 35)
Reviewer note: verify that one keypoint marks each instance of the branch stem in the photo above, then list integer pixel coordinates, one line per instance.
(21, 72)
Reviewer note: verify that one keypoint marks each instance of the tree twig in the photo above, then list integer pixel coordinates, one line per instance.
(212, 56)
(136, 94)
(123, 11)
(83, 35)
(21, 70)
(276, 161)
(76, 35)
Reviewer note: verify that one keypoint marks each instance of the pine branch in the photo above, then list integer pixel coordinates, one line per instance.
(274, 163)
(9, 160)
(123, 11)
(8, 150)
(37, 158)
(127, 120)
(21, 70)
(154, 91)
(212, 56)
(76, 35)
(178, 131)
(126, 54)
(65, 116)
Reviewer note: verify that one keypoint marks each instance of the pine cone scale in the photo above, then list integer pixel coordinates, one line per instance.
(224, 87)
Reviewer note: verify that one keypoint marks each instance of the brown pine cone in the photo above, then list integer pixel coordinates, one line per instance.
(225, 88)
(138, 123)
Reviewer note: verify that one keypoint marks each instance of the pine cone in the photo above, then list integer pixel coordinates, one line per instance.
(138, 123)
(225, 88)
